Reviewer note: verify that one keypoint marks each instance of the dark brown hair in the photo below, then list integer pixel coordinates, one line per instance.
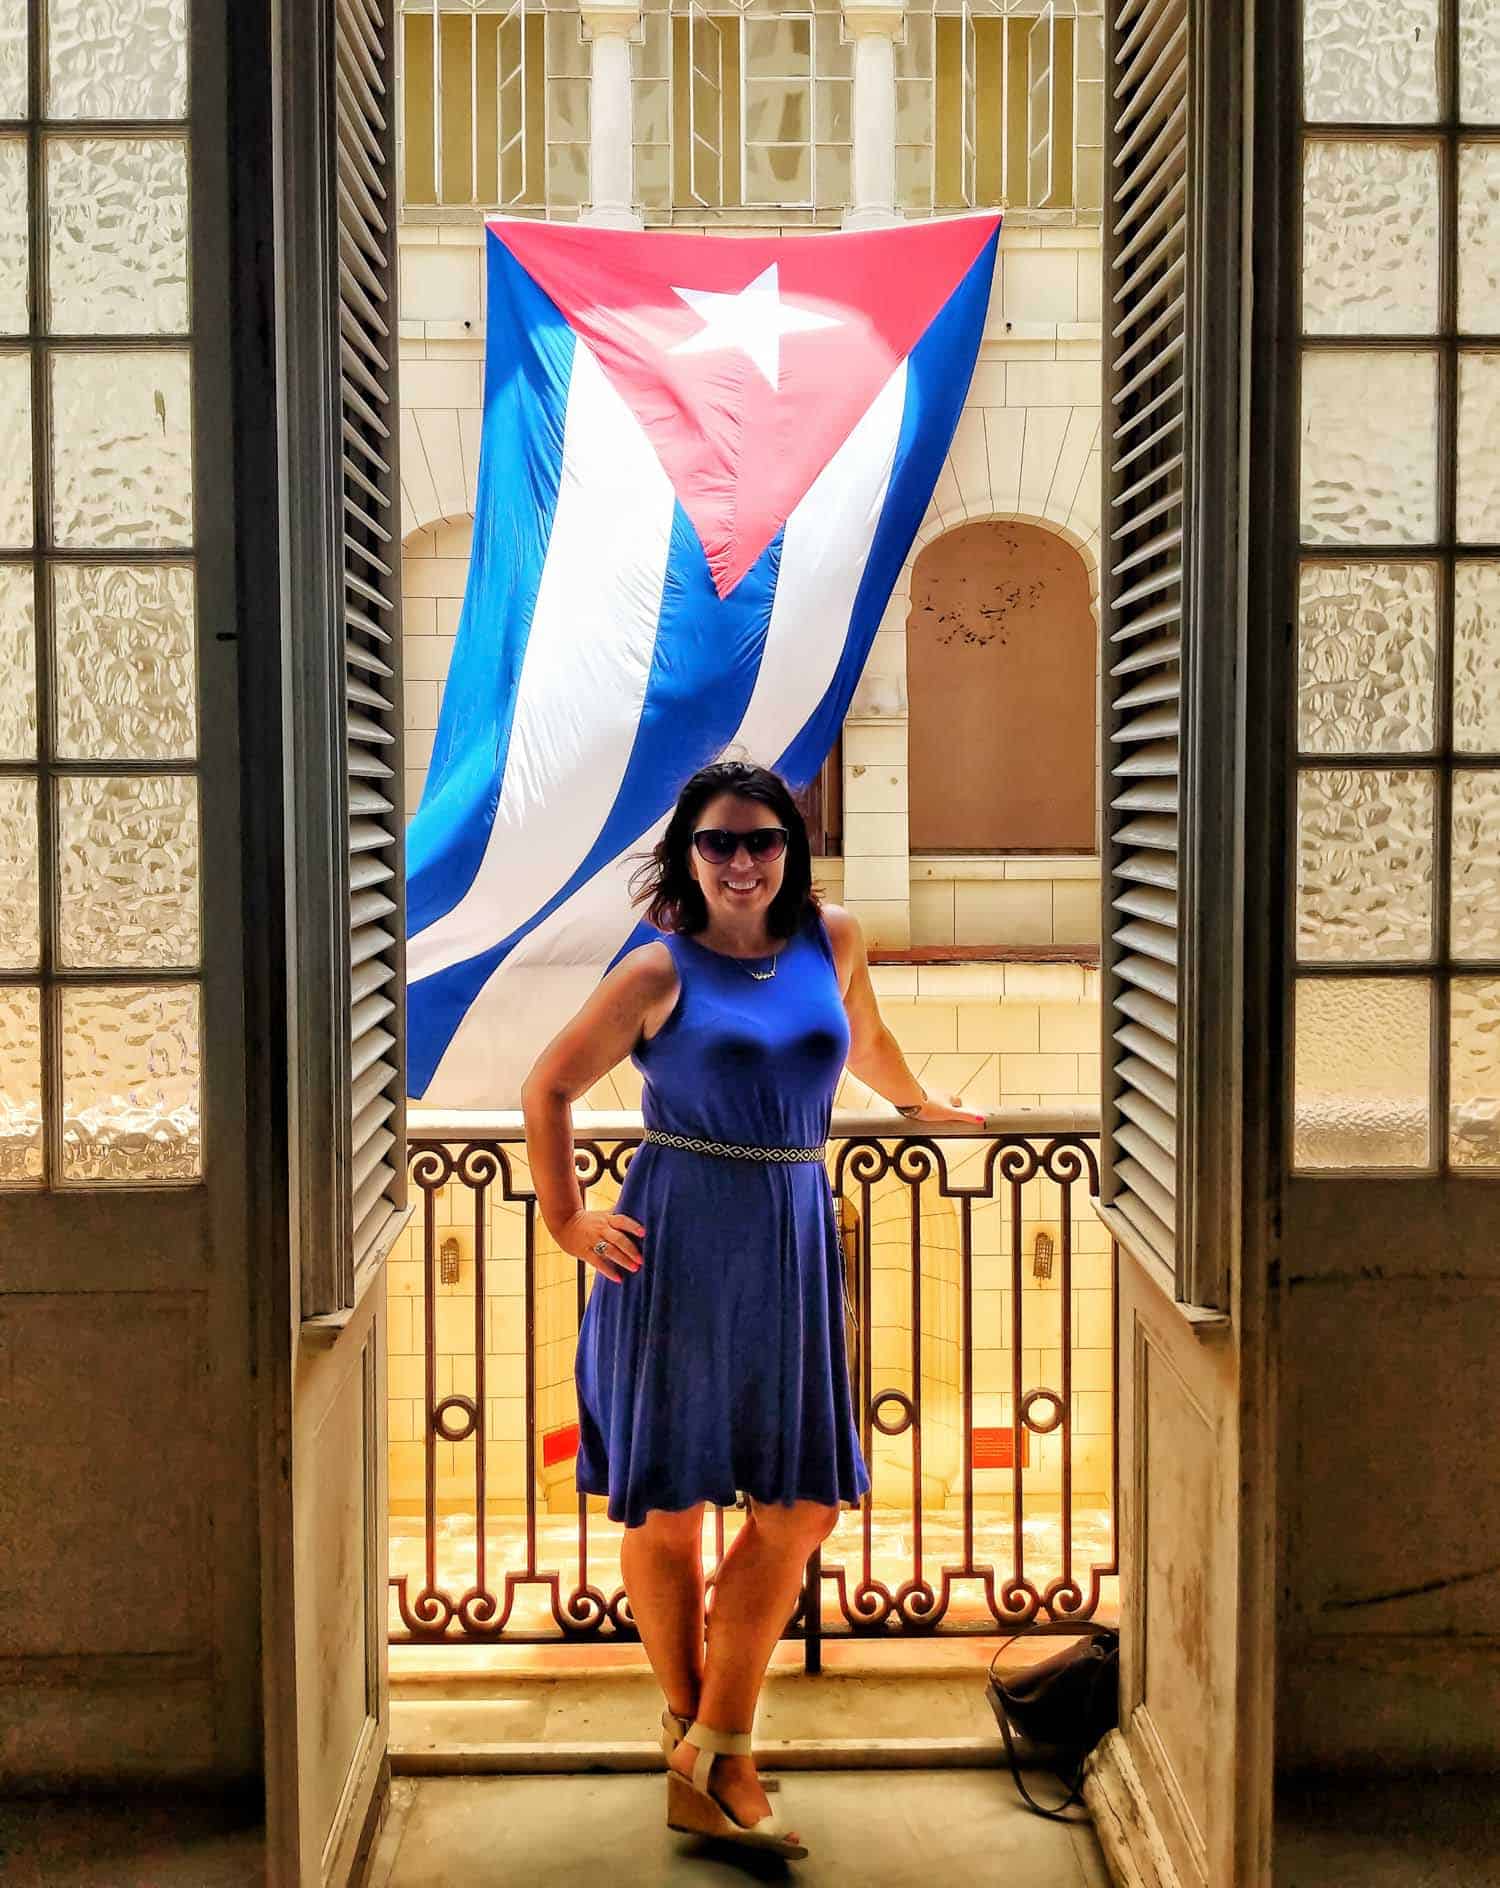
(666, 886)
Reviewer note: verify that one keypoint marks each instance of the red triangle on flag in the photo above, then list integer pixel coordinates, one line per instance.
(747, 360)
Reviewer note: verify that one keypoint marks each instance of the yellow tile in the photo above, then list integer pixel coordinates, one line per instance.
(932, 911)
(1094, 1328)
(885, 922)
(1044, 983)
(1069, 1028)
(868, 743)
(867, 878)
(405, 1377)
(921, 1026)
(1003, 911)
(999, 1024)
(876, 836)
(1049, 1074)
(874, 789)
(1075, 912)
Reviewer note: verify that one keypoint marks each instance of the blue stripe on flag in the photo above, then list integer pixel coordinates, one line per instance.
(703, 669)
(520, 470)
(934, 400)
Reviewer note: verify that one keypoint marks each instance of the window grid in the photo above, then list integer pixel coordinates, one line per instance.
(493, 106)
(118, 1158)
(1443, 553)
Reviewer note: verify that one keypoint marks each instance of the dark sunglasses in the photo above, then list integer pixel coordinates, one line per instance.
(718, 845)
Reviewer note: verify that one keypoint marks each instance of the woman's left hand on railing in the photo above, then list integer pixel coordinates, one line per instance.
(934, 1108)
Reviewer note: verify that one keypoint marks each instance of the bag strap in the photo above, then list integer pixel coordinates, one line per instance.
(1075, 1792)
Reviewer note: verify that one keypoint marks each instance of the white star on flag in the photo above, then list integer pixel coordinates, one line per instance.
(753, 321)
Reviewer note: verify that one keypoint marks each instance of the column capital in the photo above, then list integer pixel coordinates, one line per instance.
(885, 19)
(610, 19)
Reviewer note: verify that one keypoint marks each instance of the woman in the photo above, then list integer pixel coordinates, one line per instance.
(711, 1356)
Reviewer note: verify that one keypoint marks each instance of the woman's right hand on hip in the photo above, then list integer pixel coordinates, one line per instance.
(586, 1233)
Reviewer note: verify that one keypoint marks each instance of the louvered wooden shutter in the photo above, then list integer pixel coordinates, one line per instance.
(1147, 501)
(364, 127)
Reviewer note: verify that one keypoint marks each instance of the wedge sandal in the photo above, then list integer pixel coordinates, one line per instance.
(693, 1809)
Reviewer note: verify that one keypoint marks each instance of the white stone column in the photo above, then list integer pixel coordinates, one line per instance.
(873, 27)
(609, 26)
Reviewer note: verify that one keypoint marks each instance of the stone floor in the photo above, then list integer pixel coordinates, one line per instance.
(911, 1829)
(160, 1843)
(1390, 1832)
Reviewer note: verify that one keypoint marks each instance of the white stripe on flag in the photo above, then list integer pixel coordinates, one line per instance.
(583, 675)
(550, 973)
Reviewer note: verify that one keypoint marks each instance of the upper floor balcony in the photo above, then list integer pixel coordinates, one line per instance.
(754, 111)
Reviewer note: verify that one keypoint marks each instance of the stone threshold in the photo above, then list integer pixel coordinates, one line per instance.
(411, 1756)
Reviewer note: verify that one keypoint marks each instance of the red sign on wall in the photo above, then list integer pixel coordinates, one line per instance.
(995, 1448)
(559, 1445)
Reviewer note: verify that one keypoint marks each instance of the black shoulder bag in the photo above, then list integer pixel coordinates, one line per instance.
(1066, 1703)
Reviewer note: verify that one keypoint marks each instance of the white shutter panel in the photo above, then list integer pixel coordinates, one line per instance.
(364, 53)
(1146, 497)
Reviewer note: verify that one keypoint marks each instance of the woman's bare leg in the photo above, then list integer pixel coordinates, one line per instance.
(754, 1595)
(661, 1562)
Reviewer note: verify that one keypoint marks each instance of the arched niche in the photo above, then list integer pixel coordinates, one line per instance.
(1002, 670)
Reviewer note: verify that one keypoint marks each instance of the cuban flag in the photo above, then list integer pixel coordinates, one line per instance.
(702, 464)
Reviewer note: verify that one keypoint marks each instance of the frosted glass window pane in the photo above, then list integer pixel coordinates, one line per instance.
(1479, 61)
(567, 174)
(1364, 865)
(117, 58)
(122, 449)
(1479, 235)
(566, 51)
(1479, 448)
(1370, 61)
(17, 664)
(782, 48)
(12, 58)
(1369, 237)
(833, 107)
(15, 461)
(20, 1087)
(1476, 657)
(128, 871)
(1474, 1072)
(1369, 446)
(568, 112)
(1363, 1073)
(1366, 655)
(835, 182)
(126, 684)
(117, 227)
(1475, 868)
(914, 177)
(777, 113)
(130, 1078)
(14, 316)
(778, 173)
(20, 908)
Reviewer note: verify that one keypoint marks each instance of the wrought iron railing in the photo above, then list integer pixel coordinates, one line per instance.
(980, 1293)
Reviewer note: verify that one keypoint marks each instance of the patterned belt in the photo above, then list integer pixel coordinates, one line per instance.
(731, 1151)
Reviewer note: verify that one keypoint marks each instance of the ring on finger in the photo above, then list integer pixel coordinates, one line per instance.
(601, 1247)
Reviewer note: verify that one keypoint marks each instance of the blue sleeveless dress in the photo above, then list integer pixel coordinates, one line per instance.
(720, 1366)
